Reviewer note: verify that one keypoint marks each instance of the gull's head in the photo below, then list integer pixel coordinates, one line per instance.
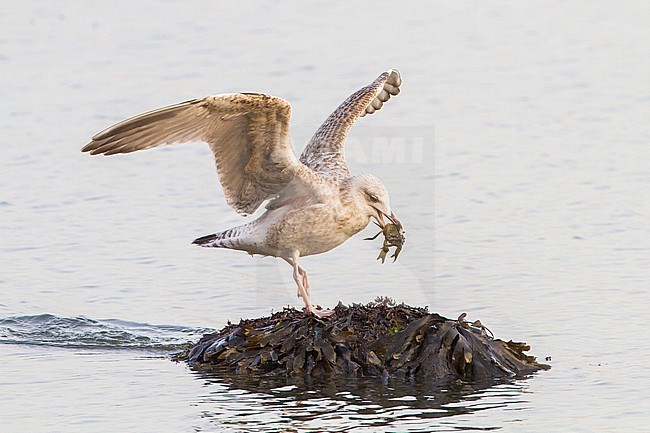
(372, 197)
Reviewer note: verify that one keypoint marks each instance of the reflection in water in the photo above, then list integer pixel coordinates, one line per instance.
(242, 403)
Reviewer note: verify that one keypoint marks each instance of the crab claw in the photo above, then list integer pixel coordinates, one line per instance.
(382, 255)
(395, 254)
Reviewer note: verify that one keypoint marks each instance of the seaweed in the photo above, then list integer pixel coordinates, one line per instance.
(379, 339)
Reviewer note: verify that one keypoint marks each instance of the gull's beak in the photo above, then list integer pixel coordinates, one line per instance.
(392, 218)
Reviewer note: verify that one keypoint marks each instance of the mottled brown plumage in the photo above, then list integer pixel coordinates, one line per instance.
(316, 205)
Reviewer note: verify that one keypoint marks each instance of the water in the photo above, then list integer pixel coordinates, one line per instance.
(517, 160)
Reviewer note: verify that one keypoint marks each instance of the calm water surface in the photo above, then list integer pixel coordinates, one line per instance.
(516, 156)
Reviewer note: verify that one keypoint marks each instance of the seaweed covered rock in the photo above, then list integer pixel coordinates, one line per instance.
(378, 339)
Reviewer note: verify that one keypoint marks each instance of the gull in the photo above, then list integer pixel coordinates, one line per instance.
(313, 204)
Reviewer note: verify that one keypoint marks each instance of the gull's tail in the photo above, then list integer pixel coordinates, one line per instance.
(231, 238)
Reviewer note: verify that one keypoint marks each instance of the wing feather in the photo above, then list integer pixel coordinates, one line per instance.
(325, 151)
(248, 134)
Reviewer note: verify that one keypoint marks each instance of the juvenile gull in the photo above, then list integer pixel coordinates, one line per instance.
(315, 204)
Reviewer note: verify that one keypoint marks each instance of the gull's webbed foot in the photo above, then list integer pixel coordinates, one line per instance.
(319, 313)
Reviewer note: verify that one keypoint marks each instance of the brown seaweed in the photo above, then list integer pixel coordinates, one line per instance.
(378, 339)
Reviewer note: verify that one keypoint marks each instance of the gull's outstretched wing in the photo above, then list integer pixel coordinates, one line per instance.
(324, 153)
(247, 132)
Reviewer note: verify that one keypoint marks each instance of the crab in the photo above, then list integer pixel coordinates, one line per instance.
(393, 237)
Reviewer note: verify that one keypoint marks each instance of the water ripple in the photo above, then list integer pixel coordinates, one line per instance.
(82, 332)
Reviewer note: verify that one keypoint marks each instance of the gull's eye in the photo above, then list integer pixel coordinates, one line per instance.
(373, 198)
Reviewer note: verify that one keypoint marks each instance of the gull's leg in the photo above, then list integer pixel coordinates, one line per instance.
(305, 280)
(290, 261)
(300, 277)
(303, 273)
(297, 277)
